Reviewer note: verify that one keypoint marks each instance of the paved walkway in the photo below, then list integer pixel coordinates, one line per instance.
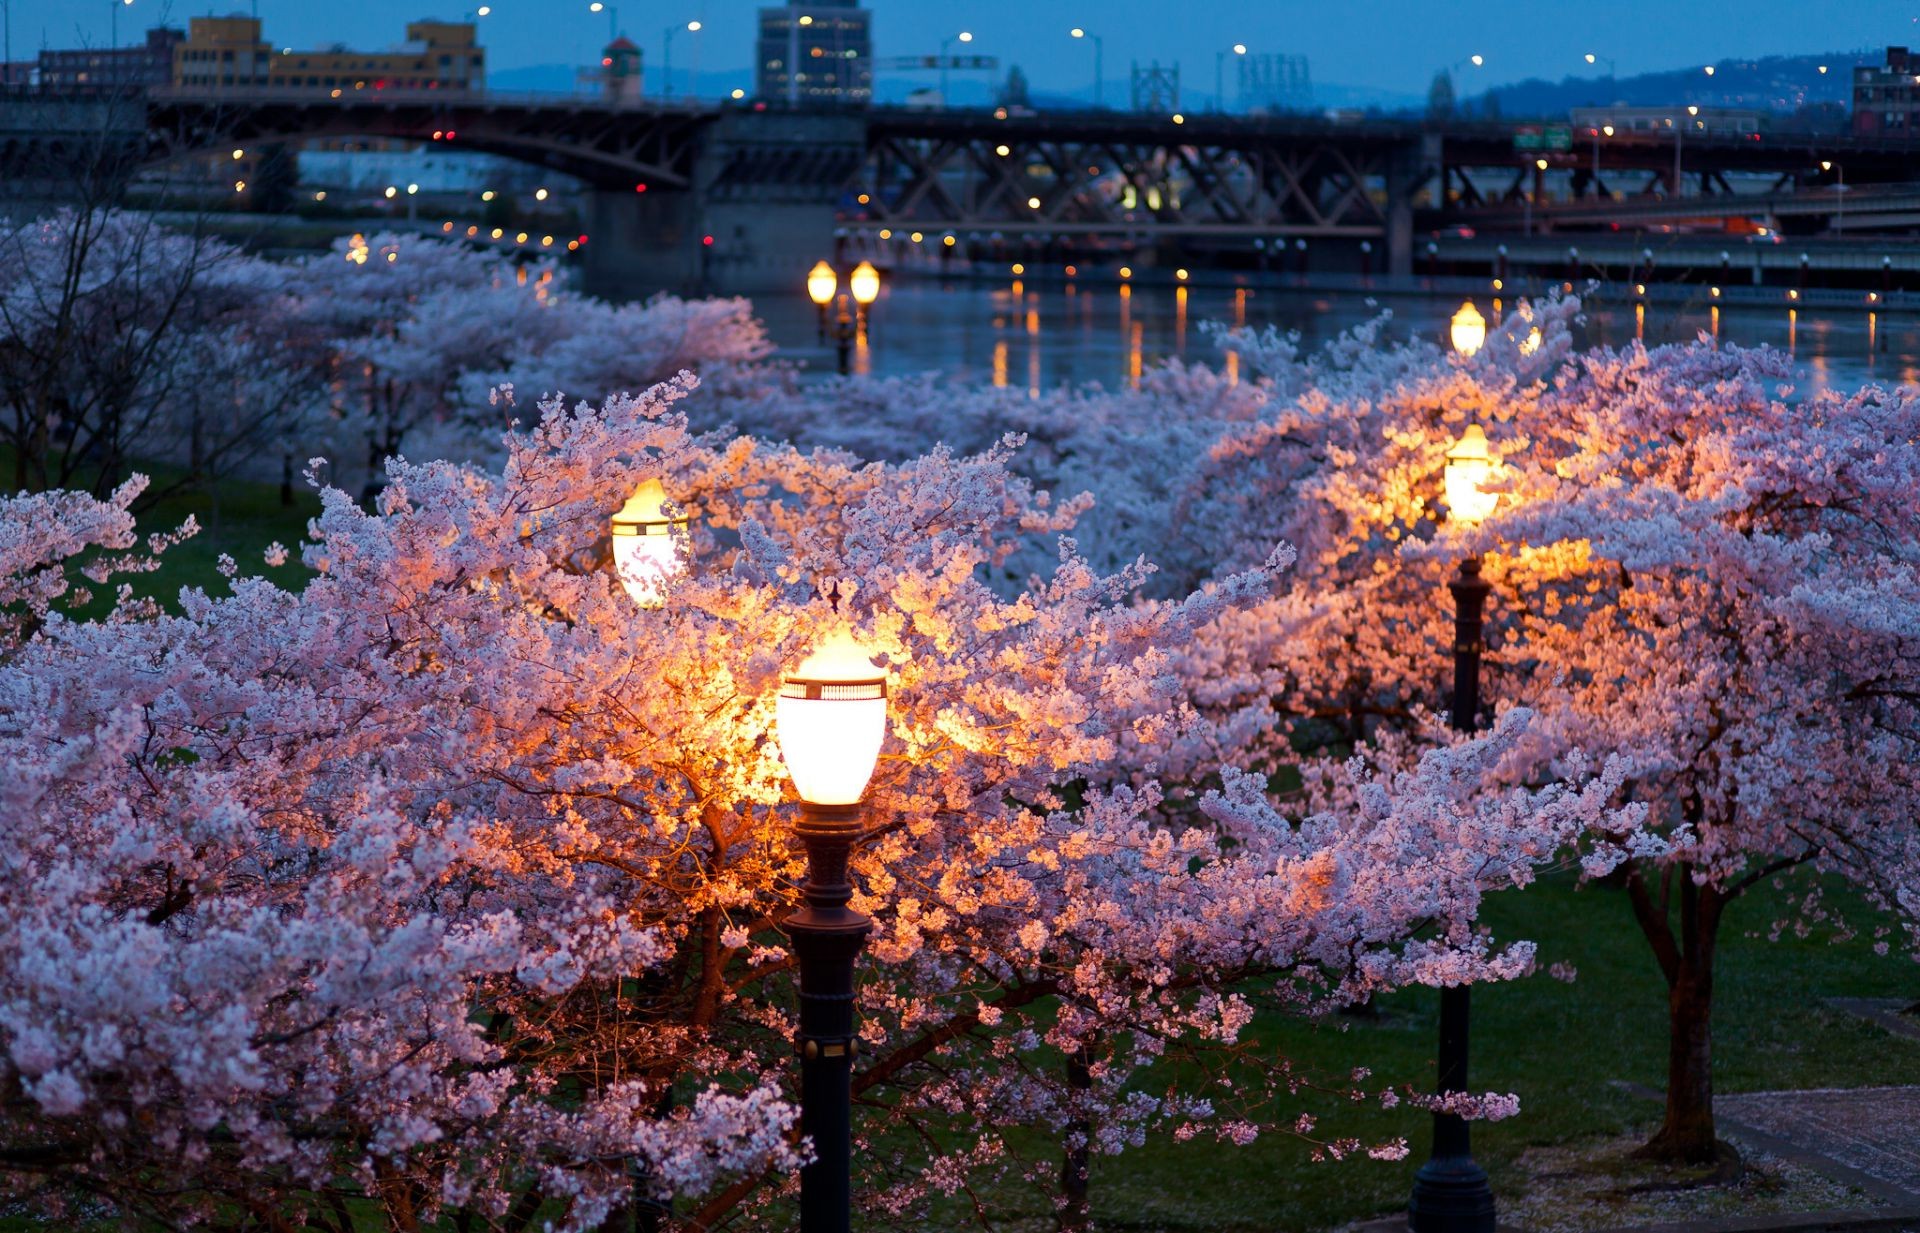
(1871, 1131)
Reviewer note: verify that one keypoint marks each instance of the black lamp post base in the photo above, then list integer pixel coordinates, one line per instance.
(1451, 1195)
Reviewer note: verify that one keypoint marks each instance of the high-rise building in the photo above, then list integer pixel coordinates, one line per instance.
(228, 53)
(815, 55)
(112, 68)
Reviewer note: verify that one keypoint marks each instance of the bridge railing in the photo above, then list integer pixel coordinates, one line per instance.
(321, 96)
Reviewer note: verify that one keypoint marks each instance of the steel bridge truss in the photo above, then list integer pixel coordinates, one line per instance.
(1001, 179)
(606, 146)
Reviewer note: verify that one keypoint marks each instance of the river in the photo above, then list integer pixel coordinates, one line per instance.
(1040, 335)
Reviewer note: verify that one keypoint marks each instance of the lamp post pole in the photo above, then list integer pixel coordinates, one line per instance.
(1451, 1193)
(843, 335)
(1099, 67)
(827, 937)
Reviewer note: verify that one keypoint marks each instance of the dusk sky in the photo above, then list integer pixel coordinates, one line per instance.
(1391, 45)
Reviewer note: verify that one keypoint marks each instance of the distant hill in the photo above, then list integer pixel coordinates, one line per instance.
(1784, 85)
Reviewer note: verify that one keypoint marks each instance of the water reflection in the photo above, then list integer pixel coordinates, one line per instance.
(1112, 334)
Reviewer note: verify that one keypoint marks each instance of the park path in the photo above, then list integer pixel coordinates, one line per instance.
(1870, 1131)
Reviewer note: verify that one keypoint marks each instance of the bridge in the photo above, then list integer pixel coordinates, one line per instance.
(746, 196)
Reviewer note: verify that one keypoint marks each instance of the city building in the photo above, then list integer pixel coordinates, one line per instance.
(816, 54)
(229, 53)
(222, 52)
(112, 68)
(618, 79)
(1701, 121)
(1886, 99)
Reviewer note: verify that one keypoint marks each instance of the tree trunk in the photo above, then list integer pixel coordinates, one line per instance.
(1076, 1212)
(1686, 1133)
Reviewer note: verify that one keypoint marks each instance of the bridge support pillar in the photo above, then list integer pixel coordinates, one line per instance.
(760, 210)
(640, 243)
(1410, 174)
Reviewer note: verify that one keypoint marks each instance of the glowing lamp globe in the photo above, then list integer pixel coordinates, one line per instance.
(864, 282)
(1469, 329)
(1468, 466)
(831, 717)
(649, 544)
(822, 282)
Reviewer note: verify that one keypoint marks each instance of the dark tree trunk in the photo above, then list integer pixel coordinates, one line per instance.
(1076, 1213)
(1686, 956)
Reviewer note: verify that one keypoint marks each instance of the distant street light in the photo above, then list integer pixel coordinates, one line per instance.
(864, 282)
(1219, 75)
(965, 36)
(822, 283)
(1099, 69)
(1591, 58)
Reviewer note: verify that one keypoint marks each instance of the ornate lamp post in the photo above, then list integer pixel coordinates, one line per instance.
(831, 718)
(1469, 334)
(649, 544)
(1450, 1192)
(822, 283)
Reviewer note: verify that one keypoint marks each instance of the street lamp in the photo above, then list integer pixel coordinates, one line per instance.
(844, 332)
(1219, 75)
(114, 7)
(649, 544)
(830, 719)
(613, 18)
(1591, 58)
(864, 282)
(822, 283)
(1469, 329)
(1450, 1193)
(693, 74)
(965, 36)
(1099, 68)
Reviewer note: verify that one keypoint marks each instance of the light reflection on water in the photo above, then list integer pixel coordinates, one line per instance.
(1038, 335)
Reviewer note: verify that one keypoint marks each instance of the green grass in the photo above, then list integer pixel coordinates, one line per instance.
(1560, 1046)
(241, 522)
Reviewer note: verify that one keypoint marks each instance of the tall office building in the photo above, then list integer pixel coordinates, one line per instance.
(816, 55)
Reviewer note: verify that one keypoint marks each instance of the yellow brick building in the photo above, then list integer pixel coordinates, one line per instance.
(227, 53)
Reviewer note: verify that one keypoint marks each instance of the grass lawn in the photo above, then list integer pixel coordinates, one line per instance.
(1558, 1045)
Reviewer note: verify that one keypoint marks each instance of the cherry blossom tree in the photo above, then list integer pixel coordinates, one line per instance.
(1694, 570)
(453, 880)
(123, 339)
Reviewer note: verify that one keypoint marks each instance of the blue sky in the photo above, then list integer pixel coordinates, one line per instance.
(1393, 45)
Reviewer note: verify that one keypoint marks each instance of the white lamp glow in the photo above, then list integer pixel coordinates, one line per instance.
(864, 282)
(1468, 465)
(831, 718)
(649, 544)
(1469, 329)
(822, 282)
